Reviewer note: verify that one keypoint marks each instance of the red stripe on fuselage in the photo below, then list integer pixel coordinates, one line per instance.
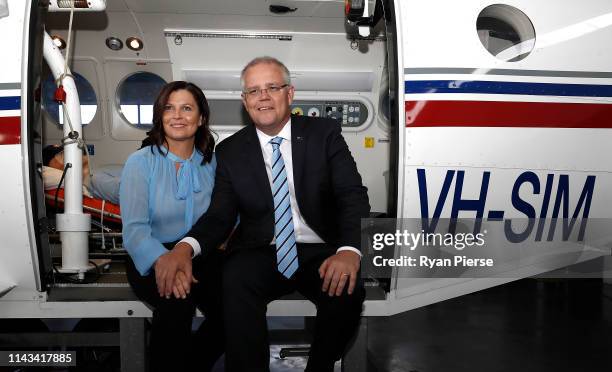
(507, 114)
(10, 130)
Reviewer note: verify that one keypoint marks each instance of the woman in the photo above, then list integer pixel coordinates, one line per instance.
(165, 188)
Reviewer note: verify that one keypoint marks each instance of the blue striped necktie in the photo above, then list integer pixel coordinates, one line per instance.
(286, 251)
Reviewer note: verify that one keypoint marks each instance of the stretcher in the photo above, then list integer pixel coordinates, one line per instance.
(98, 208)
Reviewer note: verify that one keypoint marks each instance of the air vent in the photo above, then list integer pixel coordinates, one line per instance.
(68, 3)
(79, 5)
(228, 35)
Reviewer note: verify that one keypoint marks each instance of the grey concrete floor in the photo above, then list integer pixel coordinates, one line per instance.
(529, 325)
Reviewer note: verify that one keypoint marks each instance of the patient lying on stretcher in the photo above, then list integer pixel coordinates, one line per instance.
(104, 184)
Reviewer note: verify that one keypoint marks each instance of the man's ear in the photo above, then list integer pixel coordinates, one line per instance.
(290, 93)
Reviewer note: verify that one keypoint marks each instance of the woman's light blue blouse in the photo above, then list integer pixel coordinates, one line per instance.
(160, 205)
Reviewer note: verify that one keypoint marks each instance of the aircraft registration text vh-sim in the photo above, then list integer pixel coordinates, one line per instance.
(555, 200)
(479, 109)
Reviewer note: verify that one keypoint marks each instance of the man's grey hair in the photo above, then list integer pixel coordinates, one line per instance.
(270, 60)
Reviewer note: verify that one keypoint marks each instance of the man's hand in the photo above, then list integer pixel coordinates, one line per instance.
(336, 270)
(167, 266)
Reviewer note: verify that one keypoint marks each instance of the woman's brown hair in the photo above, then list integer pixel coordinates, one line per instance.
(204, 141)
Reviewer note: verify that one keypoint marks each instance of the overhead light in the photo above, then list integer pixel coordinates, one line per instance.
(113, 43)
(134, 43)
(58, 41)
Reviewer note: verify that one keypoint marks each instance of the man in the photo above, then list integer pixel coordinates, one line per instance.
(104, 184)
(53, 168)
(295, 186)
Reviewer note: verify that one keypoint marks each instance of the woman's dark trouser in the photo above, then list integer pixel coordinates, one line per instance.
(173, 347)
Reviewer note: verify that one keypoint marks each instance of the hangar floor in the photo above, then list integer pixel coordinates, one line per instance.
(528, 325)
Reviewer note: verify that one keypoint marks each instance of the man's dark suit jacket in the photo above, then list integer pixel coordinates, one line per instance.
(328, 189)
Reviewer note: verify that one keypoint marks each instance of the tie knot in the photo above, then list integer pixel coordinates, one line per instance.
(276, 141)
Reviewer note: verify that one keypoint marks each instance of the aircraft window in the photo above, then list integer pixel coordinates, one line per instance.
(87, 98)
(135, 97)
(506, 32)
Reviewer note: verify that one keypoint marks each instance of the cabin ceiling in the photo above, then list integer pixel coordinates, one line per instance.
(305, 8)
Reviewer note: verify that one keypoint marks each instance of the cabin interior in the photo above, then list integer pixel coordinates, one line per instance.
(121, 57)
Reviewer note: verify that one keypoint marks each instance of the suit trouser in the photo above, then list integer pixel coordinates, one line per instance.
(172, 346)
(251, 280)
